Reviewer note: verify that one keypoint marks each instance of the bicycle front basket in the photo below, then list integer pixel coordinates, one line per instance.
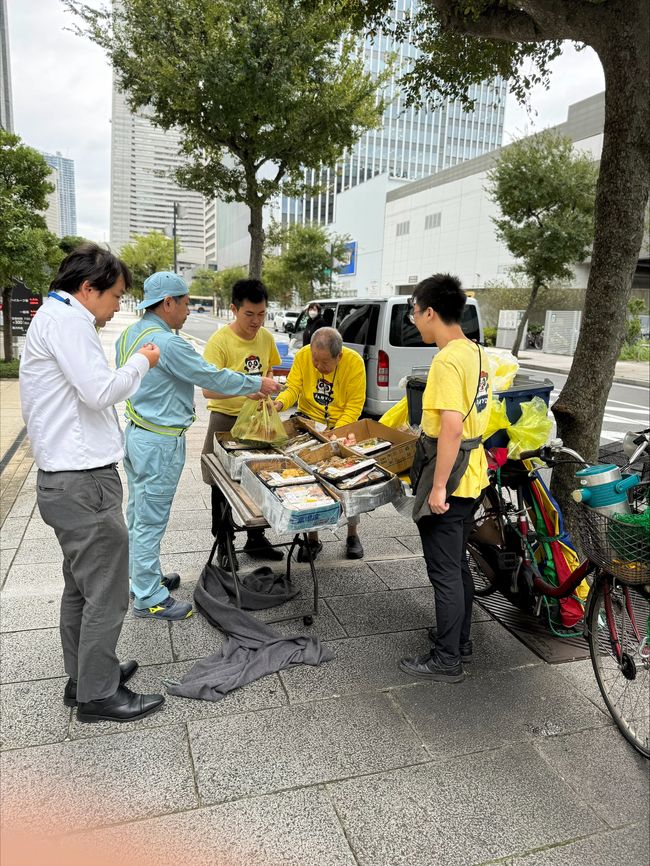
(619, 544)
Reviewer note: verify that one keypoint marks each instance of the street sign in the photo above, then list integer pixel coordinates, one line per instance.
(24, 305)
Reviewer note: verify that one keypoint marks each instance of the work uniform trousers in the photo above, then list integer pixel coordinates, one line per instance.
(153, 465)
(85, 510)
(444, 542)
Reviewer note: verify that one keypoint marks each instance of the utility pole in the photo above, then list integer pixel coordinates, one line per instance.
(179, 212)
(331, 266)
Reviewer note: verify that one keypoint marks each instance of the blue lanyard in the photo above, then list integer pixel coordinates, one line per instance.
(58, 298)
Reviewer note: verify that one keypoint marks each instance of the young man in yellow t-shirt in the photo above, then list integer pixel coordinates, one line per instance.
(246, 347)
(452, 471)
(328, 381)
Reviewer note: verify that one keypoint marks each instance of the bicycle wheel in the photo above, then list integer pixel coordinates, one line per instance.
(618, 622)
(485, 543)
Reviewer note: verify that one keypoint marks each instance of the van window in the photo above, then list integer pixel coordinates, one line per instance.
(404, 333)
(303, 319)
(357, 323)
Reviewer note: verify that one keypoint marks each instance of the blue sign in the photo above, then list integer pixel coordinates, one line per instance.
(349, 263)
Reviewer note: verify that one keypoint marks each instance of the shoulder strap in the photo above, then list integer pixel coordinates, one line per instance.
(478, 383)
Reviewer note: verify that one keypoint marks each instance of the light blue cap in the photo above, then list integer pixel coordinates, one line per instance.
(161, 285)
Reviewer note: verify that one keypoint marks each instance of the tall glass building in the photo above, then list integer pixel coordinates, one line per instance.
(66, 189)
(412, 142)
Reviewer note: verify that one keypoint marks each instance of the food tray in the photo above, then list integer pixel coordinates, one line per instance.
(275, 478)
(232, 461)
(371, 446)
(279, 515)
(358, 501)
(398, 458)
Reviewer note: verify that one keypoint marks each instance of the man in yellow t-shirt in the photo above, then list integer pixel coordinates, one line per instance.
(328, 381)
(246, 347)
(450, 471)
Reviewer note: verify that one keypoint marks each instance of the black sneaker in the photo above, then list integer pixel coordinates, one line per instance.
(353, 547)
(426, 668)
(259, 547)
(466, 649)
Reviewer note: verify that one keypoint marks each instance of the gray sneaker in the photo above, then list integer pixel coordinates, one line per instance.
(169, 609)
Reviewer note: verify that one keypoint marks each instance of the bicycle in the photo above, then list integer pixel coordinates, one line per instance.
(509, 552)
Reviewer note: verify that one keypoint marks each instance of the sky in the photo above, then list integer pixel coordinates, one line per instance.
(62, 100)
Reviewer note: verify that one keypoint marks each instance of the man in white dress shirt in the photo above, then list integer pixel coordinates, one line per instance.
(68, 394)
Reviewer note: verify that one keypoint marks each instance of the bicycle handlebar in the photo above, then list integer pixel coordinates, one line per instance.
(526, 455)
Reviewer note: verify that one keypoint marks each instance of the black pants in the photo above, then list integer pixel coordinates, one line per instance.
(444, 539)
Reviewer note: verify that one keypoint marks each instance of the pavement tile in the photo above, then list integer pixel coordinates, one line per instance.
(374, 548)
(630, 846)
(395, 527)
(492, 710)
(305, 745)
(402, 574)
(188, 565)
(348, 579)
(605, 771)
(581, 675)
(326, 626)
(395, 610)
(294, 828)
(30, 655)
(150, 679)
(195, 638)
(414, 544)
(86, 783)
(147, 641)
(32, 713)
(20, 611)
(24, 504)
(12, 532)
(34, 551)
(459, 812)
(360, 665)
(6, 558)
(186, 541)
(197, 520)
(495, 649)
(37, 528)
(26, 578)
(187, 502)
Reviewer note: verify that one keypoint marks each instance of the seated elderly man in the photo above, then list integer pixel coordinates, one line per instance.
(328, 381)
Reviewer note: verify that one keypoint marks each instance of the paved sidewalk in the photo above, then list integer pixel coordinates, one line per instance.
(349, 764)
(627, 372)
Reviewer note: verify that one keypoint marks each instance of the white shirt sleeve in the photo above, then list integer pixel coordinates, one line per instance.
(80, 356)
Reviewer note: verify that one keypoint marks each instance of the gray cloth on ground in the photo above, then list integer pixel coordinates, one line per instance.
(252, 648)
(424, 467)
(258, 590)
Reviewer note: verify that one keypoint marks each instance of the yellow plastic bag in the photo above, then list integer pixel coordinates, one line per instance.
(259, 424)
(532, 429)
(498, 419)
(397, 415)
(503, 368)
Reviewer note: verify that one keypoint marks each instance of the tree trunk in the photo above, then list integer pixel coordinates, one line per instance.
(522, 325)
(621, 197)
(256, 231)
(6, 323)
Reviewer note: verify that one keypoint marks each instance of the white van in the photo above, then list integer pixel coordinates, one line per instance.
(380, 331)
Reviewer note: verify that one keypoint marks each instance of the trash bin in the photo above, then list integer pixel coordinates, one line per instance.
(523, 389)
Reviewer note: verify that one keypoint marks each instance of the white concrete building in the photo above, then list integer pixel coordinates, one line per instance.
(143, 192)
(444, 222)
(52, 213)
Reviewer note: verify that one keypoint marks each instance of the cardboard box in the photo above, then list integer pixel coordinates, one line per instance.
(397, 459)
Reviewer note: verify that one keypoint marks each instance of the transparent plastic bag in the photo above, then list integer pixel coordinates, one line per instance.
(503, 368)
(532, 429)
(397, 415)
(258, 423)
(498, 419)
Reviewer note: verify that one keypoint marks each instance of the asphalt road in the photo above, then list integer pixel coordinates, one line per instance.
(628, 406)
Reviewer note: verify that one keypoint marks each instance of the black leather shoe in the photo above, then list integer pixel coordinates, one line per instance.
(315, 547)
(123, 706)
(466, 649)
(353, 547)
(259, 547)
(222, 558)
(127, 669)
(426, 668)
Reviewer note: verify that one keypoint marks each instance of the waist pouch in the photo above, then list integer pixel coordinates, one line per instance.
(424, 467)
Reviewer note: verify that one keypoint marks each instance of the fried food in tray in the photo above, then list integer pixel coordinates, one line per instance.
(285, 477)
(335, 468)
(304, 440)
(371, 446)
(374, 475)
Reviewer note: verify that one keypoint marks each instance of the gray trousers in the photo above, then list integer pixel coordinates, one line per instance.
(85, 511)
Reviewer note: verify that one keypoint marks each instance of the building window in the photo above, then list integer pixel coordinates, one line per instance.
(403, 228)
(432, 221)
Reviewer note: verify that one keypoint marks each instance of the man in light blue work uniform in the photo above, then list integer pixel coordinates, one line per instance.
(158, 416)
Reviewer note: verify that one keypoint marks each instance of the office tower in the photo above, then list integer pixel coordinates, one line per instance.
(6, 108)
(67, 195)
(412, 142)
(143, 192)
(52, 213)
